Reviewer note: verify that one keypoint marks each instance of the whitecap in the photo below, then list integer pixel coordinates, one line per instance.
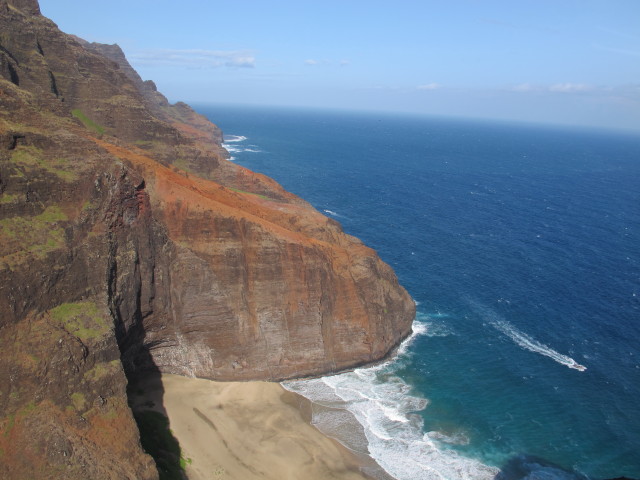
(234, 138)
(438, 330)
(231, 148)
(232, 144)
(333, 214)
(437, 315)
(430, 325)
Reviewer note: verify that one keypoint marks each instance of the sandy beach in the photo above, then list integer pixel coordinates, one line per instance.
(246, 430)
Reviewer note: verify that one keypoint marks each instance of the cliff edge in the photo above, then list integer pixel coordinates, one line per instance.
(129, 243)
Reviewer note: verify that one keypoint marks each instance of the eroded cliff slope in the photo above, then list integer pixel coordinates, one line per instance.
(129, 243)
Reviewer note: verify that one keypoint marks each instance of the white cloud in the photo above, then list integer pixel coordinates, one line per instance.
(570, 87)
(313, 62)
(429, 86)
(246, 61)
(555, 88)
(524, 87)
(196, 58)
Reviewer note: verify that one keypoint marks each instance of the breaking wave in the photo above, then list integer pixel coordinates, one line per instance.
(234, 138)
(232, 144)
(372, 410)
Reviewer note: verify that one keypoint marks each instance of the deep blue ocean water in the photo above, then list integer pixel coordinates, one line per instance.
(520, 245)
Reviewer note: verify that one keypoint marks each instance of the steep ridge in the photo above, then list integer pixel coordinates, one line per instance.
(129, 243)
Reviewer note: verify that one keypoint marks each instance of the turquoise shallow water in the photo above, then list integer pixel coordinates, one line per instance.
(520, 245)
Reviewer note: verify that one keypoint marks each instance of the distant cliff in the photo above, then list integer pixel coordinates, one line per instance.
(129, 243)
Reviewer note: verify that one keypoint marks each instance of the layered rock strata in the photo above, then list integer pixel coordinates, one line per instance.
(129, 243)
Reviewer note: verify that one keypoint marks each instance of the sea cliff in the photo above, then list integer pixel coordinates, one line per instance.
(128, 244)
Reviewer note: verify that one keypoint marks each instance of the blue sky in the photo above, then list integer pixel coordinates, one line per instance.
(561, 61)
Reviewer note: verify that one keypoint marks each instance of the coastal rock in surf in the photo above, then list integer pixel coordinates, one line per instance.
(129, 243)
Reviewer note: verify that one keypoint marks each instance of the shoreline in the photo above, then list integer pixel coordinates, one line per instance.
(366, 464)
(247, 430)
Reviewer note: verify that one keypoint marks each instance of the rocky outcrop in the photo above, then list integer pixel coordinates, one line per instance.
(128, 243)
(63, 399)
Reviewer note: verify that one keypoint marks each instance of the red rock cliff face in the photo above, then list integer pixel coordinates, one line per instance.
(263, 288)
(128, 241)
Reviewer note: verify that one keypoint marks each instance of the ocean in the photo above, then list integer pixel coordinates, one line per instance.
(520, 245)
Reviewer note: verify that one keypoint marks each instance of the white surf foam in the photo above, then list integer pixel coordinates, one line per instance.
(438, 329)
(419, 327)
(231, 148)
(333, 214)
(458, 438)
(523, 340)
(234, 138)
(386, 409)
(231, 144)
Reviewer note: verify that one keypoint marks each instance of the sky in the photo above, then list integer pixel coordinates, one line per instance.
(573, 62)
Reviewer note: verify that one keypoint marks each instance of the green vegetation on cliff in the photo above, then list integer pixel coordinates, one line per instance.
(78, 400)
(87, 122)
(29, 158)
(32, 236)
(6, 199)
(102, 370)
(82, 319)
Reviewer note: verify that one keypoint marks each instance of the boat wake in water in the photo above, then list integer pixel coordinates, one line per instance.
(523, 340)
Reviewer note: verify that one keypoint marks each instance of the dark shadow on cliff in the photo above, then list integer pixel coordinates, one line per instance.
(145, 392)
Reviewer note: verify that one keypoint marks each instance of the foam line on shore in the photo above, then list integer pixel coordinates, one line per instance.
(388, 413)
